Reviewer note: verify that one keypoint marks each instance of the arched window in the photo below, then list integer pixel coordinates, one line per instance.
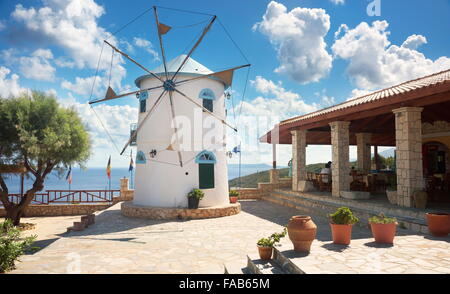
(208, 98)
(206, 161)
(140, 158)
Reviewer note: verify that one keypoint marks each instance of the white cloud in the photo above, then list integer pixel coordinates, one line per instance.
(338, 2)
(37, 66)
(64, 62)
(375, 63)
(299, 39)
(83, 86)
(116, 119)
(414, 41)
(260, 115)
(72, 25)
(281, 103)
(2, 25)
(147, 46)
(9, 83)
(356, 93)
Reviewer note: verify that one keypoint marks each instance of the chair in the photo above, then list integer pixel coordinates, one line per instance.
(324, 181)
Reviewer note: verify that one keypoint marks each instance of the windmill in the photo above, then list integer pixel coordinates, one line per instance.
(173, 86)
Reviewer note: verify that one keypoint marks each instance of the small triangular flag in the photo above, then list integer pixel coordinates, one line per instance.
(163, 29)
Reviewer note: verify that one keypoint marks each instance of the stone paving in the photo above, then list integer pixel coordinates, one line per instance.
(117, 244)
(412, 253)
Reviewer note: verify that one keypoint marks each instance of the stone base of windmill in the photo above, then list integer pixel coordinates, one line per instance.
(132, 210)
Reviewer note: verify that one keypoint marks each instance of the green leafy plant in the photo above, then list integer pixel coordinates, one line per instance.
(12, 245)
(234, 193)
(272, 240)
(382, 219)
(343, 216)
(197, 193)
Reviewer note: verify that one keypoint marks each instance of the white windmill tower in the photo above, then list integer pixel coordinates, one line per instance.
(180, 135)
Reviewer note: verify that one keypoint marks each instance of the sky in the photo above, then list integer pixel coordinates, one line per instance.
(305, 55)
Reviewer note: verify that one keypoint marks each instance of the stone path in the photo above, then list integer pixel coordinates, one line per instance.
(116, 244)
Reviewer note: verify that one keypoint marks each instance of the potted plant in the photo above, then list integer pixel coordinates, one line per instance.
(341, 223)
(234, 195)
(383, 228)
(438, 224)
(194, 198)
(391, 190)
(265, 245)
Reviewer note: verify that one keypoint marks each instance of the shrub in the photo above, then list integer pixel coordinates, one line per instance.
(234, 193)
(273, 239)
(197, 193)
(343, 216)
(12, 245)
(382, 219)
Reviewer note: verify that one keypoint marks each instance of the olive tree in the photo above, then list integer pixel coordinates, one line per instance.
(41, 135)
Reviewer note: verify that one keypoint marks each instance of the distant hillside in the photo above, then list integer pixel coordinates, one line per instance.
(252, 180)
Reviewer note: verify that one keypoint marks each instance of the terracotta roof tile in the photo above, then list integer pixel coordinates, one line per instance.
(428, 81)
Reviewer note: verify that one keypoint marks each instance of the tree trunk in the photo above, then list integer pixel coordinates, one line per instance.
(14, 213)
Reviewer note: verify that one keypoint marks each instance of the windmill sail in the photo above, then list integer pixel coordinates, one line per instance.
(163, 29)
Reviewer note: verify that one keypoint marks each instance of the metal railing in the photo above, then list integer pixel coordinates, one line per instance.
(70, 197)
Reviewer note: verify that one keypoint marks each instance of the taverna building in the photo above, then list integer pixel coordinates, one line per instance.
(177, 155)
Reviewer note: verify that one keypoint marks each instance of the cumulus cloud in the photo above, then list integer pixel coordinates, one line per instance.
(261, 114)
(37, 66)
(376, 63)
(338, 2)
(72, 25)
(298, 36)
(414, 41)
(9, 83)
(116, 119)
(147, 46)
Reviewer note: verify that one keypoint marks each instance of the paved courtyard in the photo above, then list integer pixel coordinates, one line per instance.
(116, 244)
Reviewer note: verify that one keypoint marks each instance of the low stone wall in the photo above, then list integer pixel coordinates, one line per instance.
(312, 204)
(58, 210)
(249, 193)
(130, 210)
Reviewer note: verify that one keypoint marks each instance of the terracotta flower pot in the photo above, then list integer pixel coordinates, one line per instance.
(265, 253)
(233, 199)
(302, 232)
(384, 233)
(438, 224)
(342, 234)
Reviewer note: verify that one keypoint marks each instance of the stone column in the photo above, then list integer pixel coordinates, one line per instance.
(273, 176)
(408, 138)
(124, 185)
(364, 153)
(299, 182)
(340, 157)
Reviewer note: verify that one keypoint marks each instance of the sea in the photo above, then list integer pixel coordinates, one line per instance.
(96, 178)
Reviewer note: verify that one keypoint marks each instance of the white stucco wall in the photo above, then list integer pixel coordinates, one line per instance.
(161, 182)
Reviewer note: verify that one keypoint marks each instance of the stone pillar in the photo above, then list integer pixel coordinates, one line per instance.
(273, 176)
(124, 185)
(299, 182)
(340, 157)
(274, 156)
(364, 153)
(408, 138)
